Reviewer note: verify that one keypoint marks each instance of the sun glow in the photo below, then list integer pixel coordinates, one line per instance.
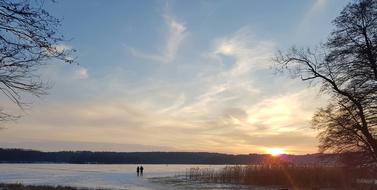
(275, 151)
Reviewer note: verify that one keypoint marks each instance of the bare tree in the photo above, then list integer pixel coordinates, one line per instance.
(345, 67)
(28, 39)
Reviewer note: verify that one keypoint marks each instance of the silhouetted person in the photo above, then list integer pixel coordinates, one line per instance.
(141, 170)
(138, 170)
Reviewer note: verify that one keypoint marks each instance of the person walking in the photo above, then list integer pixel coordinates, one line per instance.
(141, 170)
(137, 170)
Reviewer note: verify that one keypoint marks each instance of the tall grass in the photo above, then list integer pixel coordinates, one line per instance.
(293, 177)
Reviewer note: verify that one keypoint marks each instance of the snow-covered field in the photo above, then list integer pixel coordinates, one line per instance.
(157, 177)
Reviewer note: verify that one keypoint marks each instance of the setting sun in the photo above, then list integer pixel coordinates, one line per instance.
(275, 151)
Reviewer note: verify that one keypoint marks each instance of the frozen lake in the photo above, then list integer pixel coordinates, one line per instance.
(158, 177)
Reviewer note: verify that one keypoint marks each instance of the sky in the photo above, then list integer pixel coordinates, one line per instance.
(176, 76)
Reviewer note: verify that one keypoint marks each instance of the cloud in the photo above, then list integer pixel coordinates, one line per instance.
(306, 24)
(283, 113)
(230, 83)
(229, 104)
(249, 53)
(155, 58)
(319, 4)
(54, 145)
(176, 34)
(81, 73)
(177, 104)
(316, 8)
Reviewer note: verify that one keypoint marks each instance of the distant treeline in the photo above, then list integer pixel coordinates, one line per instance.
(83, 157)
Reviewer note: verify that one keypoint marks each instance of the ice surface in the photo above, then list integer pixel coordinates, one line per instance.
(156, 177)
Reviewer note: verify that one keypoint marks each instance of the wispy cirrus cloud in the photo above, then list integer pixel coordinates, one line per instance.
(319, 4)
(314, 11)
(176, 34)
(226, 106)
(249, 53)
(220, 95)
(229, 82)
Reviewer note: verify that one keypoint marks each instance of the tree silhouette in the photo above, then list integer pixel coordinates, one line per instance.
(345, 67)
(28, 39)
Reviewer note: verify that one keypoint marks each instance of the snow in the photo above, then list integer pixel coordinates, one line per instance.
(95, 175)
